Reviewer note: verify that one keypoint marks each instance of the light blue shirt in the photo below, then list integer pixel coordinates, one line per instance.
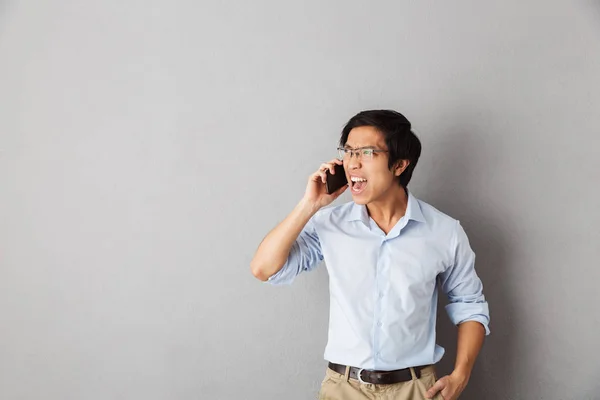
(383, 293)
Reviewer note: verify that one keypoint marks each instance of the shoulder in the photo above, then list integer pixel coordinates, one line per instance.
(436, 219)
(443, 229)
(334, 213)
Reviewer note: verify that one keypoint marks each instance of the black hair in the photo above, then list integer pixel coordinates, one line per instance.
(401, 141)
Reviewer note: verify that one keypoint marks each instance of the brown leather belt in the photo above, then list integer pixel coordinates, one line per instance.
(378, 377)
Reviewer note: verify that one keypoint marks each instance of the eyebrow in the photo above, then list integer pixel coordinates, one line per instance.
(360, 148)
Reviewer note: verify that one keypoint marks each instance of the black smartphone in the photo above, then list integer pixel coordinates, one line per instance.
(337, 180)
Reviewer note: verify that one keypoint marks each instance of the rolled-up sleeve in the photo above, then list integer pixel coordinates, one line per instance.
(462, 285)
(305, 255)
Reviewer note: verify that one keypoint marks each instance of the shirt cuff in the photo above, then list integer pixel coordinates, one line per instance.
(280, 277)
(463, 312)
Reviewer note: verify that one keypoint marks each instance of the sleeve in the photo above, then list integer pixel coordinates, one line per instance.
(305, 255)
(462, 285)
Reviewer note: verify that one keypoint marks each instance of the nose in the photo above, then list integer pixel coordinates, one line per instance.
(353, 163)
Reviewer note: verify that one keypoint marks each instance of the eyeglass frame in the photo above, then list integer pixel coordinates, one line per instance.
(348, 150)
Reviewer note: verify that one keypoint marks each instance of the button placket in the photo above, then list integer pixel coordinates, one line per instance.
(379, 305)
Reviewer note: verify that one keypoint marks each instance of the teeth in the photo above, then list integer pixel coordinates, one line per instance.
(355, 179)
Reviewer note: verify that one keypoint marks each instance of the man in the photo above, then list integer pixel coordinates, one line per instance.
(385, 252)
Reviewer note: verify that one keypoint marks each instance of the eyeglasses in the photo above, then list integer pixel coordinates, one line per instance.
(362, 153)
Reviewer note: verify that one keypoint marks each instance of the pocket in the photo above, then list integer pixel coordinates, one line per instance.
(434, 373)
(438, 396)
(427, 381)
(328, 385)
(331, 374)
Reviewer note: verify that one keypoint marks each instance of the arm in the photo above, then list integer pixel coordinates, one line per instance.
(273, 252)
(470, 340)
(467, 309)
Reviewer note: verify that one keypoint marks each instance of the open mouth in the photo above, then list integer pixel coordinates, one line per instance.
(358, 185)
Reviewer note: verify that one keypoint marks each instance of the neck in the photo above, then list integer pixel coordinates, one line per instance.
(387, 210)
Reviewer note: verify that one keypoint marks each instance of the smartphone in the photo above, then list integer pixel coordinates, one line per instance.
(337, 180)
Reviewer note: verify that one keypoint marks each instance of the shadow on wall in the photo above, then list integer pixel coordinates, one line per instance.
(454, 189)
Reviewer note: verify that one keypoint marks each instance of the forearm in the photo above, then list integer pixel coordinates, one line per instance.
(470, 339)
(273, 251)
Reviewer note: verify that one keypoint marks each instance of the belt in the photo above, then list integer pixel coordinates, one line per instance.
(378, 377)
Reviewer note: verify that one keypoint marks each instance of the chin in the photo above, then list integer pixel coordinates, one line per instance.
(360, 200)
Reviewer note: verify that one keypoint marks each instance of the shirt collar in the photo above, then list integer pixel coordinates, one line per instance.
(358, 212)
(413, 209)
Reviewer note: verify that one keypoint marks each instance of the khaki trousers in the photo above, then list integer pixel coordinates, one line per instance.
(340, 387)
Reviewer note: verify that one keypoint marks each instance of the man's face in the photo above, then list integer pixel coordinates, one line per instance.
(379, 179)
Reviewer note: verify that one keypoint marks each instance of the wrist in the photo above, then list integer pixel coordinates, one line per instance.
(461, 373)
(308, 207)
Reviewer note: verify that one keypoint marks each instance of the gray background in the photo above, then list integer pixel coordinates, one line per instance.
(147, 147)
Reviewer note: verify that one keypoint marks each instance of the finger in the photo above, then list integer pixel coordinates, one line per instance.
(328, 166)
(317, 177)
(446, 395)
(323, 176)
(337, 161)
(439, 385)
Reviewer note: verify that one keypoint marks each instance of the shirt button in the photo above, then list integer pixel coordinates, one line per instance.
(378, 324)
(380, 295)
(378, 354)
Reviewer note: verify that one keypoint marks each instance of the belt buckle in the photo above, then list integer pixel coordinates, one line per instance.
(360, 379)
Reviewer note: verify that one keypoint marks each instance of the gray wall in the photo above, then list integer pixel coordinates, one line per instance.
(147, 147)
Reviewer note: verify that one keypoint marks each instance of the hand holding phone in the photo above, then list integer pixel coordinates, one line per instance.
(325, 184)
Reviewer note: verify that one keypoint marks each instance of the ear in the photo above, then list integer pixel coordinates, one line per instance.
(401, 165)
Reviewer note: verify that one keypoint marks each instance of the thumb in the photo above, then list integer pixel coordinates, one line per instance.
(338, 192)
(438, 386)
